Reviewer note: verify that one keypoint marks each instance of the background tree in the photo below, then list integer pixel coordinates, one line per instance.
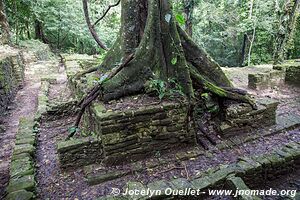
(5, 30)
(286, 28)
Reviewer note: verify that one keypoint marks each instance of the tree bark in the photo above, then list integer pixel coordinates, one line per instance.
(5, 30)
(188, 10)
(286, 27)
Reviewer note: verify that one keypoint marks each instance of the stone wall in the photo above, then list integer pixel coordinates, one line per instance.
(11, 74)
(134, 133)
(240, 118)
(292, 70)
(22, 182)
(36, 50)
(266, 80)
(287, 72)
(245, 174)
(80, 152)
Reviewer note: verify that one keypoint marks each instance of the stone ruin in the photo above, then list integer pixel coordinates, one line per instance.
(125, 135)
(11, 74)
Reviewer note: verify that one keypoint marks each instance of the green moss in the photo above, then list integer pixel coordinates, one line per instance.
(21, 167)
(20, 195)
(23, 183)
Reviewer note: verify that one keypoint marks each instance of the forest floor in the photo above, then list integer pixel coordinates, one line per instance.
(55, 183)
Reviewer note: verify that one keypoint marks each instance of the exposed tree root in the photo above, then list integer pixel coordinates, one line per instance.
(88, 71)
(220, 92)
(94, 93)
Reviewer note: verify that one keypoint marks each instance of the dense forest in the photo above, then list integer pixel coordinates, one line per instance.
(149, 99)
(235, 32)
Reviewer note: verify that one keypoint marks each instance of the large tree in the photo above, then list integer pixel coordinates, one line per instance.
(151, 45)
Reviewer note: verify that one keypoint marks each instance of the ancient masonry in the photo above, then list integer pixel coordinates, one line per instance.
(247, 172)
(134, 133)
(22, 182)
(11, 74)
(287, 72)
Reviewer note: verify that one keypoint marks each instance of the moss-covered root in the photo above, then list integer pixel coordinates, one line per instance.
(82, 73)
(221, 92)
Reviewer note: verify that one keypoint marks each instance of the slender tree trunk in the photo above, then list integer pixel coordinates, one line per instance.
(287, 23)
(244, 48)
(246, 40)
(188, 10)
(5, 30)
(90, 26)
(39, 31)
(251, 45)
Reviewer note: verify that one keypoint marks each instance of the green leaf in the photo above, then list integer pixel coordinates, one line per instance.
(174, 60)
(161, 96)
(72, 130)
(180, 19)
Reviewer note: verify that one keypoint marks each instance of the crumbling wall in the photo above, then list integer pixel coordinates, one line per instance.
(11, 74)
(130, 135)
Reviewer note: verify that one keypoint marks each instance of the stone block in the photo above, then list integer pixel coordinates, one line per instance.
(95, 179)
(181, 184)
(21, 167)
(136, 186)
(24, 183)
(20, 195)
(24, 148)
(260, 81)
(201, 183)
(160, 185)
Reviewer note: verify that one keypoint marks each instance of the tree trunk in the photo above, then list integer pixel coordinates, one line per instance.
(5, 30)
(164, 51)
(247, 42)
(39, 31)
(188, 10)
(286, 26)
(90, 26)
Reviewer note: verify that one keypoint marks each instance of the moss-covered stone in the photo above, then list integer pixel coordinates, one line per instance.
(220, 175)
(201, 183)
(135, 186)
(25, 140)
(160, 185)
(20, 156)
(20, 195)
(236, 183)
(24, 148)
(24, 183)
(21, 167)
(181, 184)
(94, 179)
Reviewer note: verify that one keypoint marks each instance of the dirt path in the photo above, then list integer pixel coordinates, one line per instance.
(24, 105)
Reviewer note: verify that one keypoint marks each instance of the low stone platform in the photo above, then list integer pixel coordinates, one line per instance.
(241, 118)
(292, 70)
(130, 134)
(266, 80)
(76, 63)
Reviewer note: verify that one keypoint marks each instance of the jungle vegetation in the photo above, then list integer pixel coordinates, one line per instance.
(233, 32)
